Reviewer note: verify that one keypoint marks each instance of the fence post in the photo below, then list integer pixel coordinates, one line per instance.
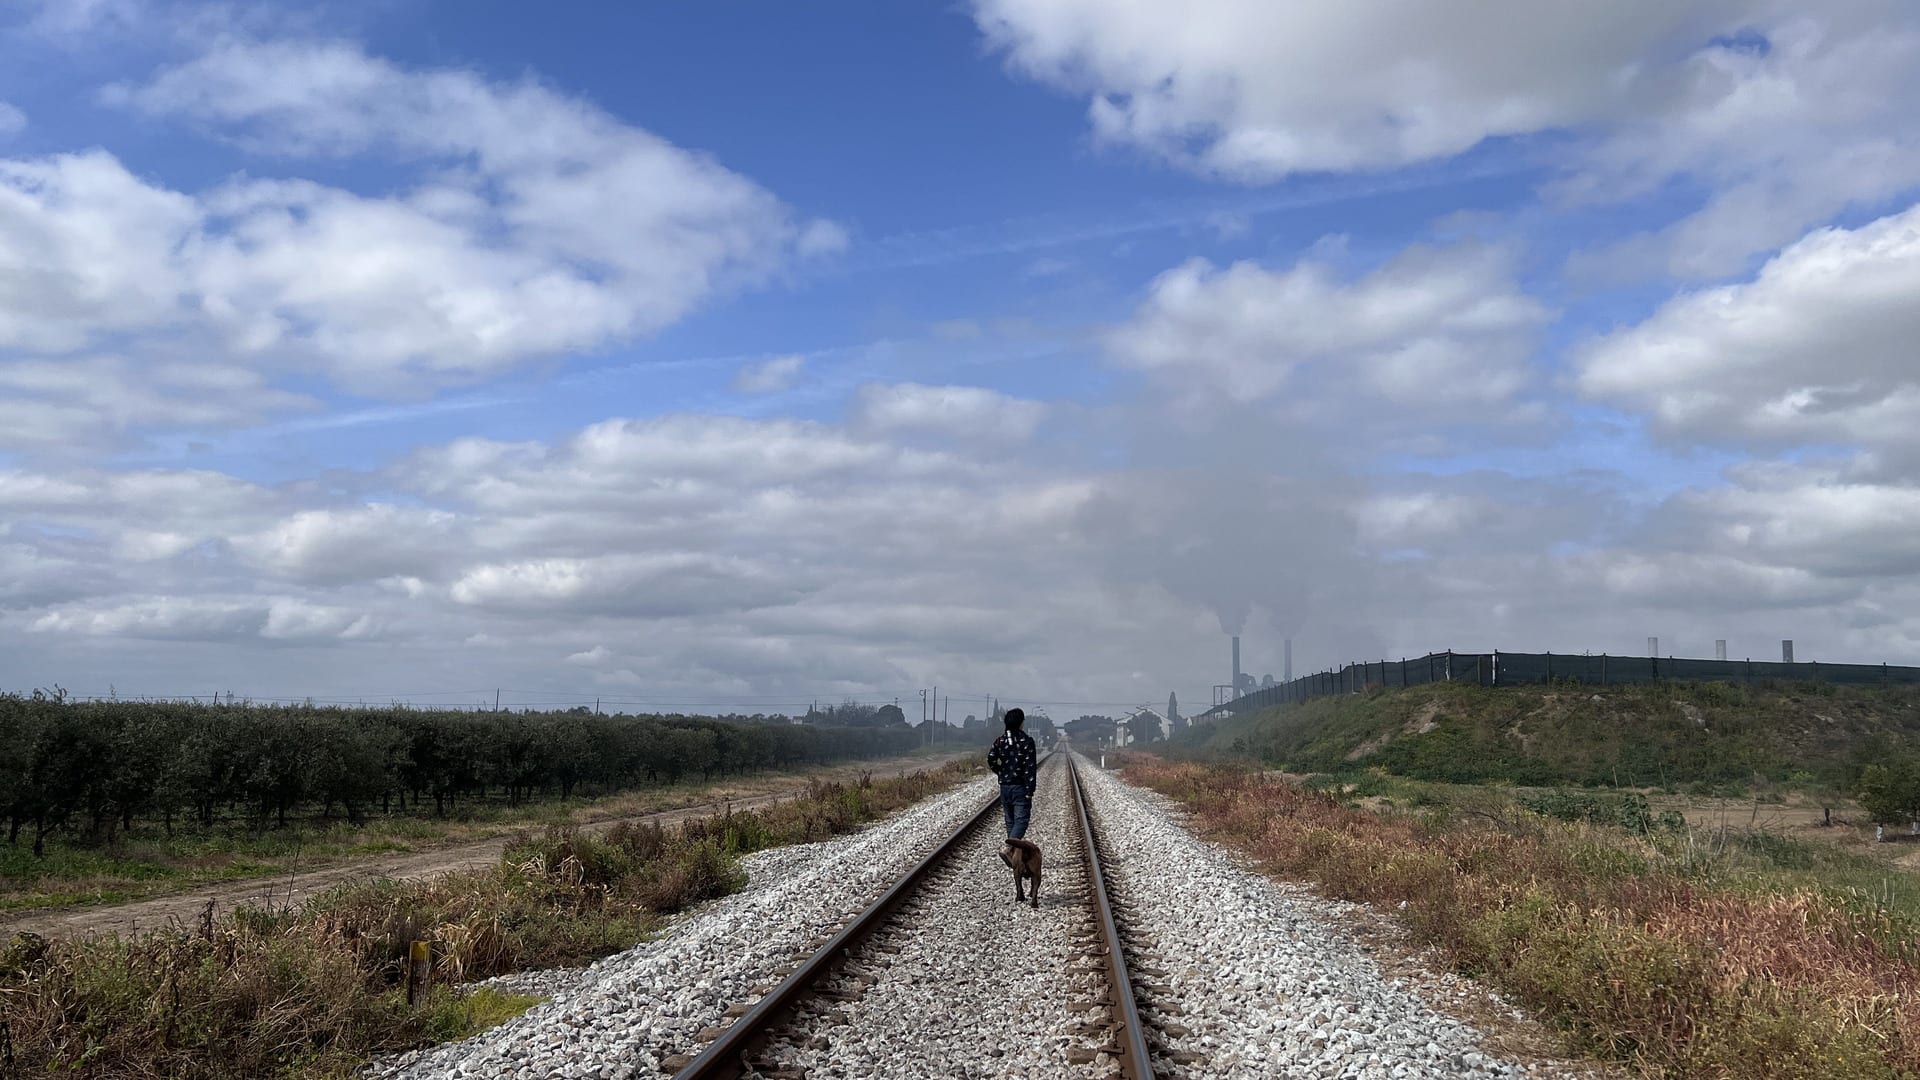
(1403, 673)
(1603, 669)
(1496, 667)
(419, 970)
(1449, 665)
(1655, 661)
(1549, 667)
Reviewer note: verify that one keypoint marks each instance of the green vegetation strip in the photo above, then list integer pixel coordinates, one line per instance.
(1702, 738)
(107, 801)
(316, 991)
(1678, 954)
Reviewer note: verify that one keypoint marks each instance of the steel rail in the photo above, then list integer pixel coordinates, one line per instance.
(725, 1056)
(1133, 1060)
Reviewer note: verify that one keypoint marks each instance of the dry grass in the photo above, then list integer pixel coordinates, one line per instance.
(1640, 948)
(317, 990)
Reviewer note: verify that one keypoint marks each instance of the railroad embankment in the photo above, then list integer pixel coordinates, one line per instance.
(1703, 737)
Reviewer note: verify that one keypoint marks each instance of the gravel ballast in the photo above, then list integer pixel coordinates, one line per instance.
(966, 983)
(1259, 980)
(1238, 976)
(626, 1014)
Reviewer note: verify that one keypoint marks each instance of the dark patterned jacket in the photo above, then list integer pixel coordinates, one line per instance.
(1014, 759)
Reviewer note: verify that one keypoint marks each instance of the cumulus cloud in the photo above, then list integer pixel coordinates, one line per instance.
(1785, 114)
(1817, 348)
(1431, 327)
(209, 619)
(1256, 90)
(528, 224)
(761, 557)
(975, 412)
(353, 544)
(83, 403)
(768, 376)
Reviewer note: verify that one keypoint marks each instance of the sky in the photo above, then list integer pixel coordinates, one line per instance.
(736, 356)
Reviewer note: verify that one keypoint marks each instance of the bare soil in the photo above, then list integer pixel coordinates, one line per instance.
(290, 889)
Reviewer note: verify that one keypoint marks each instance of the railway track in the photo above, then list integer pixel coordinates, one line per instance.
(809, 1013)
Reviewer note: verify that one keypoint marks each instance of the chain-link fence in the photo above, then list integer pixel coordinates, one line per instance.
(1524, 669)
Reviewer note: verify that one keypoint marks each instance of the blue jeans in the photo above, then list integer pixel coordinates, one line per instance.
(1016, 803)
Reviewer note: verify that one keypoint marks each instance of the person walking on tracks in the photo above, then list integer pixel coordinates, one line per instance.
(1013, 759)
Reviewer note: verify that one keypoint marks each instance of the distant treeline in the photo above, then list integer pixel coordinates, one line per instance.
(89, 768)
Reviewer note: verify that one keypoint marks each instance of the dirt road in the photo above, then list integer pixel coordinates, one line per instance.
(284, 889)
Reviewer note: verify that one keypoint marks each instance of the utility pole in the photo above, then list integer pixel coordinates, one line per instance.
(935, 717)
(923, 709)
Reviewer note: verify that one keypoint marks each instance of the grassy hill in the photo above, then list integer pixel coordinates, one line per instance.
(1670, 735)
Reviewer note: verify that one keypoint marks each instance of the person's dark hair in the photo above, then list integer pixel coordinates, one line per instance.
(1016, 719)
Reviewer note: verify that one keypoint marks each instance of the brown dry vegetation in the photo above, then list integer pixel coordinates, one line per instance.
(1658, 951)
(317, 990)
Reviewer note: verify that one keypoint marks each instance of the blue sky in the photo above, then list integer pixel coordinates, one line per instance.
(779, 353)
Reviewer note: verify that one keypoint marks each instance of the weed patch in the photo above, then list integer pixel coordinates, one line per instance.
(315, 991)
(1741, 959)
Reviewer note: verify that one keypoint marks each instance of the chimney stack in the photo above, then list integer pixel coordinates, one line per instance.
(1786, 651)
(1236, 665)
(1288, 669)
(1720, 649)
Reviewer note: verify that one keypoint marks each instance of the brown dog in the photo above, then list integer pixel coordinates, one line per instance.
(1023, 856)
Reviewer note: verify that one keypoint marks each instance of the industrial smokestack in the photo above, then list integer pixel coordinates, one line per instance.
(1236, 665)
(1720, 649)
(1287, 670)
(1786, 652)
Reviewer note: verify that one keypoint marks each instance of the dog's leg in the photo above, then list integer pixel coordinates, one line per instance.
(1018, 881)
(1035, 890)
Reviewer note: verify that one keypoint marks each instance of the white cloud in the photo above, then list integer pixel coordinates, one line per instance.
(1817, 348)
(593, 657)
(768, 376)
(526, 224)
(209, 619)
(707, 556)
(81, 403)
(1256, 90)
(963, 412)
(88, 250)
(12, 120)
(359, 543)
(640, 586)
(1823, 117)
(1785, 113)
(1429, 328)
(1409, 520)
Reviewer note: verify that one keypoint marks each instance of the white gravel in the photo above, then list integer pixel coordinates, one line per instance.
(1238, 976)
(625, 1014)
(965, 983)
(1257, 979)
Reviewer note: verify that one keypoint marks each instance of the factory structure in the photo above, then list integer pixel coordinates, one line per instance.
(1243, 683)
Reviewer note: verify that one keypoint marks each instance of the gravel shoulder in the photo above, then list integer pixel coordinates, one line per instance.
(284, 890)
(628, 1014)
(1261, 978)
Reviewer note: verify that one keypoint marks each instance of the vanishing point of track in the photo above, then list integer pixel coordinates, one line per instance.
(733, 1052)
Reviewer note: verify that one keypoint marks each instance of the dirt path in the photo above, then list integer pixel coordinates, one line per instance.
(281, 890)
